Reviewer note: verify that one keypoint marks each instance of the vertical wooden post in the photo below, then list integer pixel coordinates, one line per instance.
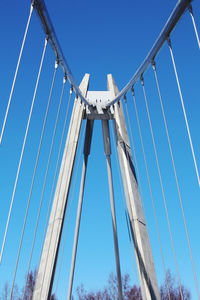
(144, 257)
(47, 267)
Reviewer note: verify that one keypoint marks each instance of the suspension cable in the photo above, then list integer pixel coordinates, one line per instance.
(136, 164)
(162, 188)
(159, 240)
(16, 72)
(125, 210)
(184, 111)
(151, 194)
(33, 243)
(22, 150)
(70, 208)
(52, 144)
(31, 188)
(137, 170)
(55, 174)
(176, 177)
(53, 219)
(194, 25)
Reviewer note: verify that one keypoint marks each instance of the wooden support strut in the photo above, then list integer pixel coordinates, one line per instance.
(87, 145)
(47, 267)
(148, 281)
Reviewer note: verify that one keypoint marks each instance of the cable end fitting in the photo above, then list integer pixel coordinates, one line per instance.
(190, 9)
(64, 79)
(56, 64)
(46, 40)
(71, 89)
(125, 98)
(153, 65)
(132, 90)
(47, 37)
(169, 41)
(142, 80)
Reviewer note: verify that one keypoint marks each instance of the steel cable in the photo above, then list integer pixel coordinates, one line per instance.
(162, 188)
(55, 173)
(136, 164)
(125, 210)
(52, 226)
(49, 158)
(151, 194)
(184, 111)
(194, 25)
(27, 209)
(22, 150)
(140, 187)
(174, 18)
(70, 207)
(128, 158)
(33, 243)
(16, 72)
(176, 178)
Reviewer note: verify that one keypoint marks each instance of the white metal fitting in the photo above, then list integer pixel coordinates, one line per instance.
(32, 5)
(153, 65)
(56, 64)
(46, 40)
(64, 79)
(71, 90)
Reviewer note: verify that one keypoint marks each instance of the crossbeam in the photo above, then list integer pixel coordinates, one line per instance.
(175, 16)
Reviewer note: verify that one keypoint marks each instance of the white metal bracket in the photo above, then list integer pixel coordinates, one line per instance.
(98, 109)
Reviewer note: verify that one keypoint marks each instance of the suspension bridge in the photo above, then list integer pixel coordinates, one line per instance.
(54, 204)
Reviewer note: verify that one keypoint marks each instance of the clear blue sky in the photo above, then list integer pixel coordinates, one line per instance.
(100, 38)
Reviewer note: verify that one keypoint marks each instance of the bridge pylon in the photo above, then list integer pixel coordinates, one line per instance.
(97, 110)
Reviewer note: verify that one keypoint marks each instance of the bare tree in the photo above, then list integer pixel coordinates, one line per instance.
(170, 287)
(5, 295)
(29, 288)
(5, 292)
(110, 292)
